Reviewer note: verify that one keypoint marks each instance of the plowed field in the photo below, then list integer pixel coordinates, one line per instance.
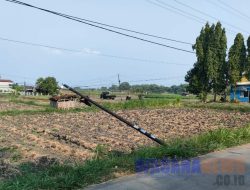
(74, 136)
(7, 106)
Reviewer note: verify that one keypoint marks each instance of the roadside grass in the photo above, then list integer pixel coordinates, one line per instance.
(104, 167)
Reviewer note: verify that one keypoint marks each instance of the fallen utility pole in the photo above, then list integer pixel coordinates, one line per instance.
(88, 101)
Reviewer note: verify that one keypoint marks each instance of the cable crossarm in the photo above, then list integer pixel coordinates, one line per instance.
(89, 101)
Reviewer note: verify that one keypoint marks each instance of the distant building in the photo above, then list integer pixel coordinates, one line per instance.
(6, 86)
(242, 91)
(29, 91)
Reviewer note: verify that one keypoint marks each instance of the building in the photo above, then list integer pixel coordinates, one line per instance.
(242, 91)
(65, 101)
(28, 91)
(6, 86)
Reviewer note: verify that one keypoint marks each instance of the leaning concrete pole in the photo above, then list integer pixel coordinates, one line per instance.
(88, 102)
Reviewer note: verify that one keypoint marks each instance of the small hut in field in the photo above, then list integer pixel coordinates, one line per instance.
(65, 101)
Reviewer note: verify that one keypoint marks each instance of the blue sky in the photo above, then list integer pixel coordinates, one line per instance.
(26, 63)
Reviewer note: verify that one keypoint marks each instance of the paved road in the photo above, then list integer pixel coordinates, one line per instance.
(228, 169)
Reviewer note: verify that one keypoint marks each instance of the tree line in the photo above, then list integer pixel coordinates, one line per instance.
(215, 70)
(150, 88)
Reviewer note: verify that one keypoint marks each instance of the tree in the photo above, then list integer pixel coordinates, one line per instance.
(248, 58)
(209, 71)
(124, 86)
(217, 70)
(197, 77)
(17, 87)
(192, 78)
(47, 86)
(236, 60)
(114, 88)
(103, 88)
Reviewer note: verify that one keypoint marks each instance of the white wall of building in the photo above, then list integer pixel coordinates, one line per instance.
(5, 87)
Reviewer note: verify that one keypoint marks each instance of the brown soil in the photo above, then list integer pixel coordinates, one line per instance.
(7, 106)
(74, 136)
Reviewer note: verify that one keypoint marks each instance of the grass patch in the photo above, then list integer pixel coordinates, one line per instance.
(103, 167)
(147, 103)
(142, 104)
(13, 155)
(133, 104)
(242, 107)
(30, 103)
(169, 96)
(43, 111)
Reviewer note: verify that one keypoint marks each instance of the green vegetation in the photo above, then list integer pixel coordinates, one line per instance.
(142, 104)
(124, 86)
(210, 70)
(169, 96)
(149, 88)
(248, 57)
(42, 111)
(106, 164)
(153, 101)
(219, 106)
(18, 88)
(47, 86)
(237, 60)
(13, 154)
(133, 104)
(31, 102)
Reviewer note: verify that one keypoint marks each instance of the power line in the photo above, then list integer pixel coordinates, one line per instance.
(133, 31)
(216, 4)
(180, 10)
(156, 79)
(100, 27)
(210, 16)
(40, 45)
(185, 14)
(174, 11)
(232, 8)
(164, 3)
(133, 81)
(128, 30)
(80, 51)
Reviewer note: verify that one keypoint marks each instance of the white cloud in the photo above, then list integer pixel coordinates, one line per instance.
(53, 51)
(90, 51)
(80, 52)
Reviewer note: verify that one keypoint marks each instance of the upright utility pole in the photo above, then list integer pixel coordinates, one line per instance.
(119, 81)
(24, 85)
